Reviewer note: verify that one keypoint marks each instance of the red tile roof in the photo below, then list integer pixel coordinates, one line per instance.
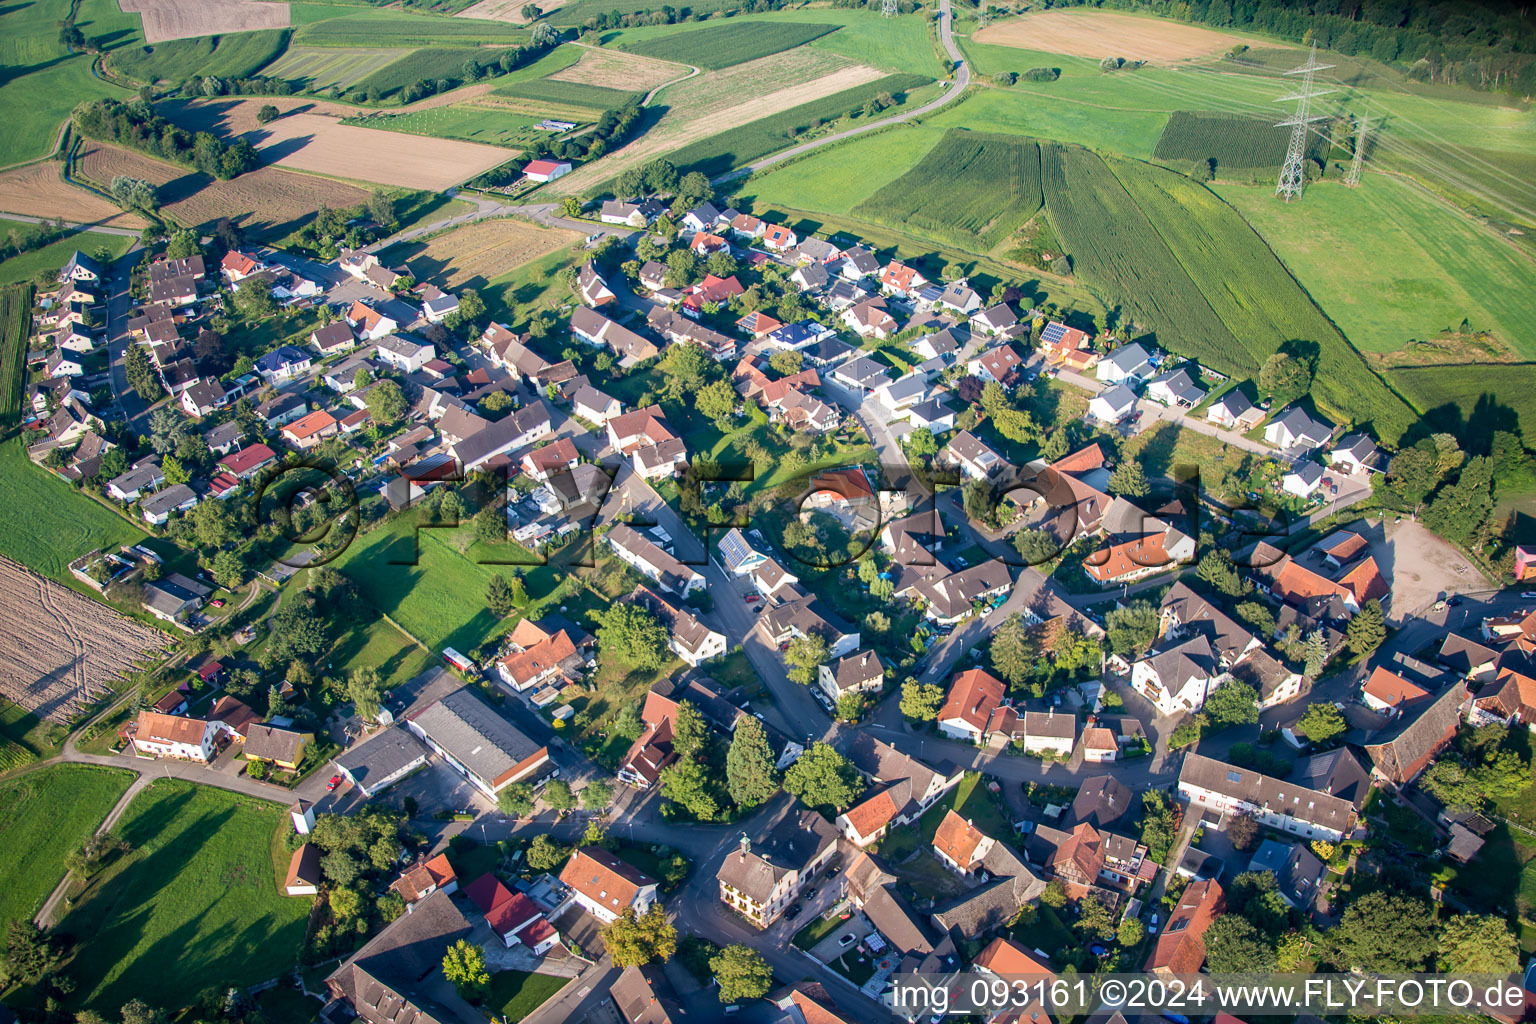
(246, 460)
(603, 878)
(958, 839)
(1181, 947)
(1392, 689)
(973, 696)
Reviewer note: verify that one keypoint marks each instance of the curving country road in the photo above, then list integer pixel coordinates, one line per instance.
(958, 86)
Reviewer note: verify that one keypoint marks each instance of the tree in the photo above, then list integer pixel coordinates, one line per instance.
(634, 941)
(821, 777)
(742, 973)
(1477, 945)
(544, 854)
(1285, 378)
(213, 524)
(228, 570)
(1234, 946)
(136, 1011)
(1217, 571)
(182, 245)
(806, 653)
(381, 207)
(500, 597)
(558, 795)
(1368, 629)
(1413, 473)
(717, 401)
(255, 302)
(631, 634)
(1258, 617)
(1054, 895)
(471, 306)
(1159, 823)
(1315, 653)
(1133, 628)
(627, 724)
(1233, 704)
(1129, 480)
(364, 688)
(386, 403)
(464, 966)
(749, 773)
(689, 730)
(1459, 511)
(267, 114)
(921, 701)
(346, 903)
(1243, 830)
(135, 194)
(530, 12)
(786, 362)
(362, 378)
(1014, 651)
(1036, 547)
(29, 952)
(922, 443)
(687, 784)
(1321, 722)
(597, 796)
(1382, 933)
(1130, 932)
(516, 801)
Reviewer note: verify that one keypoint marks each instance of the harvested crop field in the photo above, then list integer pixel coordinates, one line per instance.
(615, 69)
(60, 649)
(39, 191)
(480, 252)
(1102, 34)
(313, 142)
(708, 104)
(506, 10)
(267, 202)
(176, 19)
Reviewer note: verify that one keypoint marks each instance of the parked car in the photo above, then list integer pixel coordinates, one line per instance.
(335, 781)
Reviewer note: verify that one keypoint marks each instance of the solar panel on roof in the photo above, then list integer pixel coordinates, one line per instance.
(1053, 332)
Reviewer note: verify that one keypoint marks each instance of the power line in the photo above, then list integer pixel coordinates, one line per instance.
(1361, 130)
(1293, 172)
(888, 8)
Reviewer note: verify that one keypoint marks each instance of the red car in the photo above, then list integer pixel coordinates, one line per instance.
(335, 781)
(217, 602)
(751, 598)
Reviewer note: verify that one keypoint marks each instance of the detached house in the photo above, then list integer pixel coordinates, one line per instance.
(605, 886)
(779, 238)
(1234, 410)
(190, 739)
(405, 354)
(857, 673)
(1294, 431)
(310, 430)
(974, 710)
(1128, 364)
(972, 456)
(651, 561)
(1176, 388)
(1178, 677)
(284, 363)
(333, 338)
(900, 280)
(869, 319)
(995, 320)
(369, 322)
(1181, 947)
(901, 789)
(594, 291)
(1001, 364)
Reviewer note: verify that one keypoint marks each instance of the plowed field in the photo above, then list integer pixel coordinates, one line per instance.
(1103, 34)
(177, 19)
(479, 252)
(38, 191)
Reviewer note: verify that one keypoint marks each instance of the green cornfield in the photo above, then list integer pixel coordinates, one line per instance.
(721, 46)
(15, 326)
(972, 189)
(1235, 142)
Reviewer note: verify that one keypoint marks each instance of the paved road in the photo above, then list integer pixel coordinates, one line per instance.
(958, 86)
(119, 306)
(75, 227)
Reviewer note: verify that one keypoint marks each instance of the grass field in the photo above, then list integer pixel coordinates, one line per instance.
(972, 187)
(732, 148)
(516, 994)
(199, 890)
(25, 738)
(49, 812)
(578, 12)
(473, 254)
(720, 46)
(1416, 267)
(50, 258)
(236, 55)
(42, 83)
(570, 94)
(44, 524)
(440, 598)
(324, 67)
(381, 646)
(397, 28)
(1228, 142)
(475, 124)
(838, 178)
(1456, 395)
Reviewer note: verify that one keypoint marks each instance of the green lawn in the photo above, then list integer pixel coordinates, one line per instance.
(47, 260)
(516, 994)
(434, 589)
(25, 738)
(838, 178)
(43, 82)
(1417, 267)
(379, 645)
(44, 524)
(807, 937)
(48, 813)
(199, 891)
(970, 799)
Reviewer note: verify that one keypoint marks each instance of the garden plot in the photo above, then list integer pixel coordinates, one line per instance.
(1102, 34)
(176, 19)
(708, 104)
(60, 650)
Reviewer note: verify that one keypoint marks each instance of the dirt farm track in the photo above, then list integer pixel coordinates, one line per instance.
(59, 650)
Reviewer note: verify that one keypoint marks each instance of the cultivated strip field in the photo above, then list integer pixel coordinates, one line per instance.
(711, 103)
(38, 191)
(506, 10)
(312, 142)
(267, 201)
(479, 252)
(176, 19)
(324, 67)
(59, 650)
(615, 69)
(1102, 34)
